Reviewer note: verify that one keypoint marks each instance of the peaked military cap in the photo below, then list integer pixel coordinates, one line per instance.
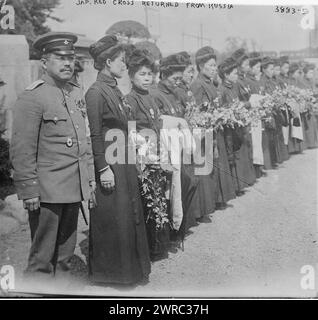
(56, 42)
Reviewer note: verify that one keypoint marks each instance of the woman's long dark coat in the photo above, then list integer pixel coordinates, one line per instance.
(222, 187)
(118, 248)
(169, 103)
(237, 143)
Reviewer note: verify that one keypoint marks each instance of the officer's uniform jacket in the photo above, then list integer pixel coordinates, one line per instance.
(50, 147)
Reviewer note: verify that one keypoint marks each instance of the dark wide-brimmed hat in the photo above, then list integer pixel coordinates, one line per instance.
(240, 55)
(174, 62)
(187, 57)
(61, 43)
(107, 45)
(204, 54)
(308, 67)
(266, 61)
(283, 60)
(139, 58)
(227, 66)
(276, 62)
(294, 67)
(254, 58)
(2, 83)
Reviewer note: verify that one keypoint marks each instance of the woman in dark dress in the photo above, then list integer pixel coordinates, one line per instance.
(234, 137)
(253, 78)
(295, 145)
(169, 103)
(141, 69)
(244, 94)
(268, 86)
(281, 117)
(217, 188)
(310, 134)
(118, 248)
(186, 97)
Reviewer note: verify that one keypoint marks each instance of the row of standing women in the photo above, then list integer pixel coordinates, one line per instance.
(122, 243)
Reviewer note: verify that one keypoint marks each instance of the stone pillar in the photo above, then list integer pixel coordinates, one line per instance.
(15, 71)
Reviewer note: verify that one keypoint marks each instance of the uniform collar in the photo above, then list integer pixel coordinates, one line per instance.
(110, 81)
(54, 83)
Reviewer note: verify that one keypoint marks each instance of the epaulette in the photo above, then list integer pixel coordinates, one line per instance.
(35, 84)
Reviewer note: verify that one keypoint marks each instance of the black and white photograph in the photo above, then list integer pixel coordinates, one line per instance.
(157, 149)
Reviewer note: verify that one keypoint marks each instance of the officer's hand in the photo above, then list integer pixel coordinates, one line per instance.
(107, 179)
(31, 204)
(92, 184)
(92, 201)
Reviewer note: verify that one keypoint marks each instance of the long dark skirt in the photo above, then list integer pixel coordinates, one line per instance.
(266, 150)
(309, 131)
(118, 247)
(226, 190)
(207, 186)
(190, 197)
(244, 164)
(295, 145)
(283, 148)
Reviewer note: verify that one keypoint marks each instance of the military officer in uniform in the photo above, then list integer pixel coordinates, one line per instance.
(51, 155)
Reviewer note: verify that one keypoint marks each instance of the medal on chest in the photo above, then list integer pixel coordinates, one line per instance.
(81, 107)
(126, 106)
(152, 113)
(69, 142)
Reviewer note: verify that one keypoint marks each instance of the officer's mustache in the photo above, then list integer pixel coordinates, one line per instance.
(67, 69)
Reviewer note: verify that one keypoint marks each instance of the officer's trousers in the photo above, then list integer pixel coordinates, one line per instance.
(53, 234)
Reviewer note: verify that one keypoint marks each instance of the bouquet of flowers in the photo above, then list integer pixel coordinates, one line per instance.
(153, 182)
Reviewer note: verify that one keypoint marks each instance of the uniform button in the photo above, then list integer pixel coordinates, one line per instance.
(72, 111)
(55, 119)
(77, 126)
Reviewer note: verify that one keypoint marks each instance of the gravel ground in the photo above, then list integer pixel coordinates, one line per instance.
(254, 248)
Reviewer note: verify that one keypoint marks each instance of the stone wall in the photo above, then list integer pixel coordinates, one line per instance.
(14, 70)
